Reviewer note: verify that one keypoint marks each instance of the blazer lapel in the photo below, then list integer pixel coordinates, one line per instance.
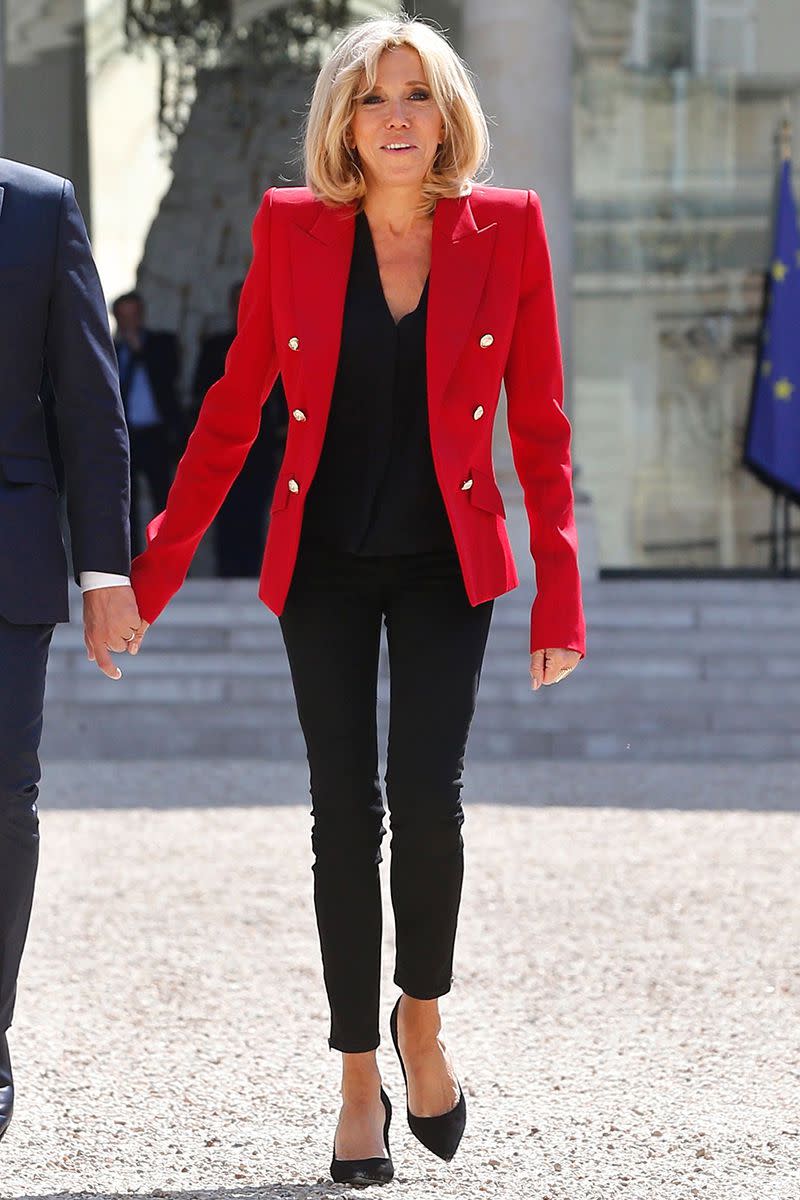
(321, 253)
(320, 258)
(461, 255)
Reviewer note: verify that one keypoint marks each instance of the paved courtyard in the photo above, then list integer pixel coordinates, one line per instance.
(625, 1015)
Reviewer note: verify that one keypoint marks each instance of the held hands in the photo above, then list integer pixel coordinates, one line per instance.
(136, 640)
(551, 666)
(110, 621)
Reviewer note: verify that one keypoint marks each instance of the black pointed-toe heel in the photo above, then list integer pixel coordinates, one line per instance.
(441, 1135)
(360, 1172)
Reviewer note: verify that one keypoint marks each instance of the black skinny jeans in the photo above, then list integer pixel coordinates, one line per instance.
(331, 626)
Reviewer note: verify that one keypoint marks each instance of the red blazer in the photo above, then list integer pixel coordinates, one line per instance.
(491, 316)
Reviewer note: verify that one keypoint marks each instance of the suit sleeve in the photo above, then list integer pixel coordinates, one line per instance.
(226, 428)
(88, 411)
(540, 443)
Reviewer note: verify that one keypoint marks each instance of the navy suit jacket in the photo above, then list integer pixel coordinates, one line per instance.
(52, 310)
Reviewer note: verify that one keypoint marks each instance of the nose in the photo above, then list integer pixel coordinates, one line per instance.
(397, 115)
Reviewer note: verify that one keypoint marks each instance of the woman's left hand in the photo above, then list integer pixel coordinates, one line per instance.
(551, 666)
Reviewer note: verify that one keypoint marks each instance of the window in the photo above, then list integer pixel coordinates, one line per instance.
(724, 36)
(709, 36)
(661, 35)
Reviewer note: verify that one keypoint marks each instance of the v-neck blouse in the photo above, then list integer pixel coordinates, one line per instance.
(375, 490)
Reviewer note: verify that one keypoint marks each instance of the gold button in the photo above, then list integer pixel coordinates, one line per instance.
(294, 343)
(486, 341)
(476, 416)
(298, 414)
(466, 485)
(294, 486)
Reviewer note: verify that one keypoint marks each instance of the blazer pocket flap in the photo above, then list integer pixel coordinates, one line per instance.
(27, 470)
(485, 493)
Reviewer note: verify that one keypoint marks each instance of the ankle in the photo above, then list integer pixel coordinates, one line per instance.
(361, 1079)
(419, 1023)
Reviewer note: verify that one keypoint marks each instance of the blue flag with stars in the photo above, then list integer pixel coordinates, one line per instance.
(772, 444)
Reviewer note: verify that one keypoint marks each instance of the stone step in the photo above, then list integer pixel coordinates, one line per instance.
(129, 734)
(501, 691)
(505, 664)
(747, 590)
(226, 706)
(695, 670)
(197, 641)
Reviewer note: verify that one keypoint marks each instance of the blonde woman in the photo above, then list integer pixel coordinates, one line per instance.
(394, 295)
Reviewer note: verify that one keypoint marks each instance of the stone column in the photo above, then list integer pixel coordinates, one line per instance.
(521, 54)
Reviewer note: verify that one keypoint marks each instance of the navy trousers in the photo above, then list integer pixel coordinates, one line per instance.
(23, 663)
(331, 627)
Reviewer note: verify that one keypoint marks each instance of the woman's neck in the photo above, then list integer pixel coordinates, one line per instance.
(395, 210)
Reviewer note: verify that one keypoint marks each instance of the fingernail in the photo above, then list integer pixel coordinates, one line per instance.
(134, 649)
(118, 674)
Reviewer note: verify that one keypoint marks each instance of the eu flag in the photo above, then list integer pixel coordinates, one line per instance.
(772, 444)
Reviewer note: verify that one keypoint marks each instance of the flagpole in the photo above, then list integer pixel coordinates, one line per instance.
(785, 149)
(774, 526)
(782, 561)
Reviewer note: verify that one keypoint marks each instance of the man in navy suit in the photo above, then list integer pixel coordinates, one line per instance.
(149, 365)
(52, 310)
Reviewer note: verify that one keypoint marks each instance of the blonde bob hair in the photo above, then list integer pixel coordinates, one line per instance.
(331, 168)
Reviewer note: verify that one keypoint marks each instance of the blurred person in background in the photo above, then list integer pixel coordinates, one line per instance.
(240, 529)
(149, 366)
(394, 294)
(52, 309)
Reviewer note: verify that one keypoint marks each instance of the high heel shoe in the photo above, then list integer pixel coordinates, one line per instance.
(441, 1135)
(362, 1171)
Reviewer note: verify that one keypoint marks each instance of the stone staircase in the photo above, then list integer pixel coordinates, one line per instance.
(676, 670)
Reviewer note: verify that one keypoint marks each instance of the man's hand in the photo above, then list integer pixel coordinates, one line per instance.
(110, 620)
(551, 666)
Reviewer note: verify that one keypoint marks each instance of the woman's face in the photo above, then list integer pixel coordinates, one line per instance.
(398, 112)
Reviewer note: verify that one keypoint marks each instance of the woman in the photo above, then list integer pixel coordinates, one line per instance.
(393, 296)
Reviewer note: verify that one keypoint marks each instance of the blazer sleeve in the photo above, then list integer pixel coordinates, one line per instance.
(88, 414)
(540, 443)
(226, 428)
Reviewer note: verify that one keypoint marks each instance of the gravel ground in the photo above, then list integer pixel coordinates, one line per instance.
(624, 1017)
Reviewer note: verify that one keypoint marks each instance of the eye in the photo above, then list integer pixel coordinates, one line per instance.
(417, 93)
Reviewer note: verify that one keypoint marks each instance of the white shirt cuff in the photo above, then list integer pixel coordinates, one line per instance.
(100, 579)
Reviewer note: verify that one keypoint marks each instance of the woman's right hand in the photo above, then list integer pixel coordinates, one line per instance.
(136, 640)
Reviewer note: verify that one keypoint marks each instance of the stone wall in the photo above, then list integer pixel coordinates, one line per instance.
(674, 176)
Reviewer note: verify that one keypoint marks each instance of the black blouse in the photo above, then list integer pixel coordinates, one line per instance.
(375, 490)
